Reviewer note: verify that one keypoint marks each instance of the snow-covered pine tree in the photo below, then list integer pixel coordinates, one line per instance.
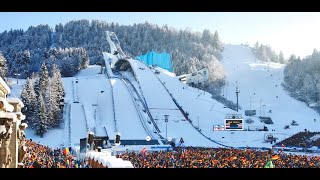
(29, 98)
(302, 78)
(56, 94)
(309, 88)
(216, 76)
(43, 79)
(57, 84)
(3, 67)
(25, 63)
(281, 58)
(25, 99)
(34, 104)
(217, 42)
(51, 58)
(53, 108)
(84, 58)
(42, 124)
(22, 63)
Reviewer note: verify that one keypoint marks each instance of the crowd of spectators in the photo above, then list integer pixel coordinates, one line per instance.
(40, 156)
(301, 139)
(198, 157)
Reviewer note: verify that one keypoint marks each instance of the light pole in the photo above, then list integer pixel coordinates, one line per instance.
(16, 74)
(166, 120)
(237, 93)
(264, 107)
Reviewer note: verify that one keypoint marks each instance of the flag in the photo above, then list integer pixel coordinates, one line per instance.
(233, 158)
(66, 151)
(282, 147)
(269, 164)
(275, 157)
(143, 151)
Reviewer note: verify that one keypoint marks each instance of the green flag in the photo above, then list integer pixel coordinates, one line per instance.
(269, 164)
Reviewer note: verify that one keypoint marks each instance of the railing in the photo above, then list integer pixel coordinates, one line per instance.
(140, 89)
(75, 91)
(112, 96)
(185, 114)
(69, 116)
(113, 107)
(143, 103)
(137, 110)
(85, 116)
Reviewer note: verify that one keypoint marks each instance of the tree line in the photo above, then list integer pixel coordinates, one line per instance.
(66, 49)
(302, 78)
(42, 95)
(266, 54)
(83, 42)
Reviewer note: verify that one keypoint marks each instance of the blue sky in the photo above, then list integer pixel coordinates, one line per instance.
(293, 33)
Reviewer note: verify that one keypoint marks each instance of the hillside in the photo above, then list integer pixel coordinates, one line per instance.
(255, 80)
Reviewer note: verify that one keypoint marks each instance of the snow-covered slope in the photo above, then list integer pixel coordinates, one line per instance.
(257, 81)
(254, 80)
(160, 103)
(260, 81)
(128, 120)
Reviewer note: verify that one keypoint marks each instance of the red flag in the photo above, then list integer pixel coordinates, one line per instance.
(143, 151)
(66, 151)
(275, 157)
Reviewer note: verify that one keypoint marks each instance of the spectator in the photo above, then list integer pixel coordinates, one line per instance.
(40, 156)
(199, 157)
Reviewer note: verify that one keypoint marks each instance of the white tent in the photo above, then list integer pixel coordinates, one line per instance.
(109, 161)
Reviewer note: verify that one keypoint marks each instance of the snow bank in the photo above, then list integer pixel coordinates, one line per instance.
(4, 85)
(7, 106)
(15, 101)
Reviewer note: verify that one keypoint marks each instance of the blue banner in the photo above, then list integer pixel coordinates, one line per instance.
(162, 60)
